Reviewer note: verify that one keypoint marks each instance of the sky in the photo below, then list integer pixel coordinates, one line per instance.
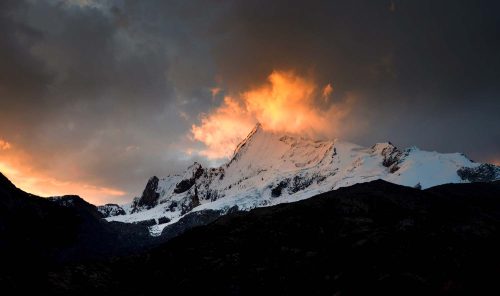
(98, 96)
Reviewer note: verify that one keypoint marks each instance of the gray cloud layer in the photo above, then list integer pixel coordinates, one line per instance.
(100, 85)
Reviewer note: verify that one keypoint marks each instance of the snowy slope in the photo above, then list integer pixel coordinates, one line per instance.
(268, 169)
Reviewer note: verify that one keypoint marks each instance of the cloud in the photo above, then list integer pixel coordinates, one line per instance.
(222, 129)
(17, 165)
(46, 186)
(327, 91)
(287, 103)
(78, 90)
(4, 145)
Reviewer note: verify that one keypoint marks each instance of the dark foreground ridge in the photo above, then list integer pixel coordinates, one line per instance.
(375, 238)
(38, 234)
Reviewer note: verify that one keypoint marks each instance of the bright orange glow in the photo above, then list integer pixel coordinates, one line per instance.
(15, 166)
(222, 130)
(4, 145)
(327, 91)
(287, 103)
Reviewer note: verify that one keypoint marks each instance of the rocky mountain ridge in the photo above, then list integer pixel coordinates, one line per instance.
(268, 168)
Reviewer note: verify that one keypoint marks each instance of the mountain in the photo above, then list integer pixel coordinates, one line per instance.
(375, 238)
(38, 234)
(369, 238)
(268, 169)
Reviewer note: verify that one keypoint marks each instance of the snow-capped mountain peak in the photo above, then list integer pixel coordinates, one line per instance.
(268, 168)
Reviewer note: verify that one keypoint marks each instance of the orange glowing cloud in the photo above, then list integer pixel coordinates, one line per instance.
(16, 165)
(222, 130)
(287, 103)
(4, 145)
(327, 91)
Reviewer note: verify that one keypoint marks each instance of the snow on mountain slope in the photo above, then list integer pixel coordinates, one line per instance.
(268, 169)
(109, 210)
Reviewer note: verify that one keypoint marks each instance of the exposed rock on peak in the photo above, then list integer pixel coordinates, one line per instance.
(392, 155)
(149, 197)
(193, 172)
(483, 173)
(110, 210)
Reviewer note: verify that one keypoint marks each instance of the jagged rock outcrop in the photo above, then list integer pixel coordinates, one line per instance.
(483, 173)
(194, 172)
(392, 155)
(190, 201)
(163, 220)
(149, 197)
(111, 210)
(276, 191)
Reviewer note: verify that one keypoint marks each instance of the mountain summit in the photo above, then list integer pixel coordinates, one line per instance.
(269, 168)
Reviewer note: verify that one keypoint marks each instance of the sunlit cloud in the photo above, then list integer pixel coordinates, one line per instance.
(327, 91)
(222, 129)
(4, 145)
(286, 103)
(15, 165)
(215, 91)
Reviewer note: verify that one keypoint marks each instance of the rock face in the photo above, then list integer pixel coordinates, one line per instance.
(276, 191)
(192, 174)
(190, 202)
(110, 210)
(163, 220)
(482, 173)
(391, 155)
(149, 197)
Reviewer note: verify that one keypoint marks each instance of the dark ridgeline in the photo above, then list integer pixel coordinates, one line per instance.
(38, 235)
(374, 238)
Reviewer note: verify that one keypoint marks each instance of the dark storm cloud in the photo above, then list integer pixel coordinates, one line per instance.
(426, 72)
(87, 98)
(101, 85)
